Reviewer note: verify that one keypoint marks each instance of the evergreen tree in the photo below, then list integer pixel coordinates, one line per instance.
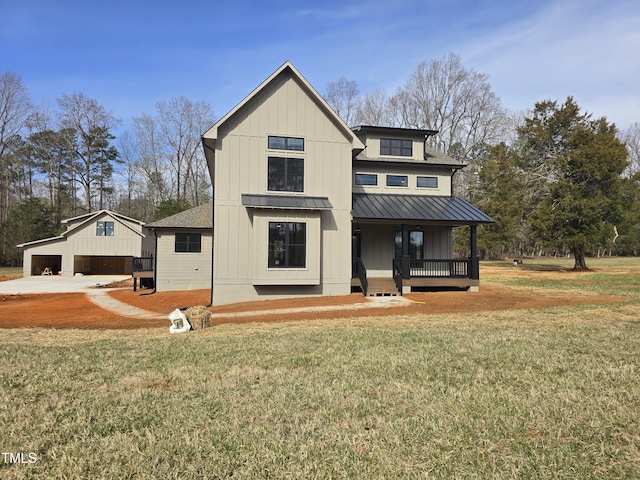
(582, 161)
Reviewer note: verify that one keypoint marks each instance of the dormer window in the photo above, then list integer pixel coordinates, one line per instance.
(396, 147)
(286, 143)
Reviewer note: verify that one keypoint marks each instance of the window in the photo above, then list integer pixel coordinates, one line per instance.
(287, 244)
(286, 143)
(188, 243)
(285, 174)
(416, 244)
(427, 182)
(397, 181)
(104, 229)
(396, 147)
(366, 179)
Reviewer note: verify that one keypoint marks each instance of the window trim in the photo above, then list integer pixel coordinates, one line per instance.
(374, 175)
(103, 230)
(189, 243)
(286, 176)
(286, 245)
(286, 143)
(405, 148)
(419, 177)
(405, 177)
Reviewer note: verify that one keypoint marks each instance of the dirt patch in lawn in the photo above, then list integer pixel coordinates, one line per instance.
(73, 310)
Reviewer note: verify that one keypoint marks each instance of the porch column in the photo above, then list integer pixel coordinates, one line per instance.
(406, 259)
(474, 261)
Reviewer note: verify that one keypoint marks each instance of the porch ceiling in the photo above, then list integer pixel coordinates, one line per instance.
(417, 208)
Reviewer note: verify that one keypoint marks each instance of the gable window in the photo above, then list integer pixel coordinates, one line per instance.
(287, 244)
(188, 243)
(416, 244)
(397, 181)
(286, 143)
(396, 147)
(285, 174)
(427, 182)
(104, 229)
(366, 179)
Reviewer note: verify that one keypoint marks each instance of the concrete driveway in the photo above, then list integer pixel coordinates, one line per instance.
(55, 284)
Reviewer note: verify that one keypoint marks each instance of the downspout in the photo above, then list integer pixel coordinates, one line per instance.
(212, 238)
(453, 174)
(155, 263)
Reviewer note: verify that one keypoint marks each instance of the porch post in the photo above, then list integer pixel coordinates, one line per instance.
(474, 262)
(406, 259)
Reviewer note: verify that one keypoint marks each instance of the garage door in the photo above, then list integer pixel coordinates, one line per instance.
(46, 263)
(102, 265)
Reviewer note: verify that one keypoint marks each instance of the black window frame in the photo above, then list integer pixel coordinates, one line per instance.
(396, 147)
(289, 143)
(105, 228)
(404, 184)
(188, 242)
(374, 176)
(428, 178)
(285, 247)
(287, 182)
(416, 250)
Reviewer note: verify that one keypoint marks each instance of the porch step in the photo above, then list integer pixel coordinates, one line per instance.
(381, 287)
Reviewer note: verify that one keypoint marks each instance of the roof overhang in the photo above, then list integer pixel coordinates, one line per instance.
(417, 208)
(286, 202)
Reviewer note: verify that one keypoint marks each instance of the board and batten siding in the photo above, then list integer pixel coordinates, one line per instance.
(412, 172)
(182, 270)
(378, 246)
(282, 108)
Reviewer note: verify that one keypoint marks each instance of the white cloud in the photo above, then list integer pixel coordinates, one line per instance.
(581, 48)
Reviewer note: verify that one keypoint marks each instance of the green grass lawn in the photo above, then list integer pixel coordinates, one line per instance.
(548, 393)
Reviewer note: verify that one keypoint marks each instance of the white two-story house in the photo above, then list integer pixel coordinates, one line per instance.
(304, 205)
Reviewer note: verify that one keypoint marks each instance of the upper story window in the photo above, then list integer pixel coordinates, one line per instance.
(427, 182)
(286, 143)
(396, 147)
(188, 242)
(285, 174)
(366, 179)
(397, 181)
(104, 229)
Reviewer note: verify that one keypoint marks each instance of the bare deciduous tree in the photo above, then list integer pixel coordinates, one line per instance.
(631, 138)
(15, 110)
(342, 96)
(374, 109)
(92, 125)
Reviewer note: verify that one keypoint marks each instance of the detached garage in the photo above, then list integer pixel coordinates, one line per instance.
(101, 243)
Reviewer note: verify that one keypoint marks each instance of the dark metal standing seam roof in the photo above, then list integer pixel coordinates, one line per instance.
(292, 202)
(416, 208)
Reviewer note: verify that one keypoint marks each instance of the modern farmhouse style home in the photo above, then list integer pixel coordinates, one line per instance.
(304, 205)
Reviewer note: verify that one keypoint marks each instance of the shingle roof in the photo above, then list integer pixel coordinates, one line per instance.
(418, 208)
(196, 217)
(286, 202)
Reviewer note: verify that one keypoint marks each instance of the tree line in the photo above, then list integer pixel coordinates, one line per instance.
(64, 162)
(556, 180)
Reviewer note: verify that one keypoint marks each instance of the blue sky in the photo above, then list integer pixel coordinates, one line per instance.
(131, 54)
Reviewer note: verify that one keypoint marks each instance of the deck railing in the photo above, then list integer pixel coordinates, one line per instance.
(449, 268)
(359, 271)
(143, 264)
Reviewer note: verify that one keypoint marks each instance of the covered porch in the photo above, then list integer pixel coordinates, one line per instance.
(405, 242)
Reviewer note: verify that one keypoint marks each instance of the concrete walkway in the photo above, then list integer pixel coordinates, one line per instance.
(55, 284)
(102, 299)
